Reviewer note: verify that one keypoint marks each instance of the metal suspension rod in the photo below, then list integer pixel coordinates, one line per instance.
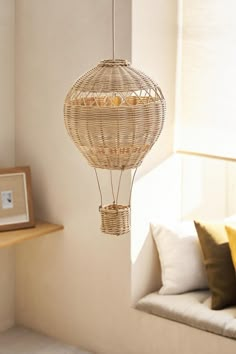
(113, 28)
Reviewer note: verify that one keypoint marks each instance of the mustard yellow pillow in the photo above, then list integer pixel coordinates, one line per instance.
(232, 243)
(218, 263)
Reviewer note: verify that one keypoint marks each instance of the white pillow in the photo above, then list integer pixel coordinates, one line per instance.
(182, 267)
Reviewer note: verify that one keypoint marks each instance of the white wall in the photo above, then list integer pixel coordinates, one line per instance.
(207, 75)
(7, 146)
(154, 50)
(7, 82)
(75, 285)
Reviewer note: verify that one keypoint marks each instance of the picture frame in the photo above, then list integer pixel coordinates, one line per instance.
(16, 204)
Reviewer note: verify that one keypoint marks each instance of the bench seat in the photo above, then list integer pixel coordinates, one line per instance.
(192, 309)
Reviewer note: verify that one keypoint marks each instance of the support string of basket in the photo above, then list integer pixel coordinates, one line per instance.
(99, 187)
(131, 188)
(118, 189)
(112, 187)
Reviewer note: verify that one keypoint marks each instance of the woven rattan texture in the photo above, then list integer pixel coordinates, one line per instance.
(114, 114)
(115, 219)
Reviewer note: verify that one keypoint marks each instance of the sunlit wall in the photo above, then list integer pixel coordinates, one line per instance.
(206, 77)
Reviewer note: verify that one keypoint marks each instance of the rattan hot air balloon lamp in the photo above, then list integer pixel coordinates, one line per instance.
(114, 114)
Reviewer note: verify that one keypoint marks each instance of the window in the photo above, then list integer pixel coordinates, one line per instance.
(206, 104)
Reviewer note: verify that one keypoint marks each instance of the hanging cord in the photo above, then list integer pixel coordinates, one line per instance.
(113, 29)
(99, 187)
(112, 188)
(132, 186)
(118, 189)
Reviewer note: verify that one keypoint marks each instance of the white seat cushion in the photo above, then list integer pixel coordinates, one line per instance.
(192, 309)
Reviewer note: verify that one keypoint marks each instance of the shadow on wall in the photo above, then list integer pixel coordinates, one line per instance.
(145, 271)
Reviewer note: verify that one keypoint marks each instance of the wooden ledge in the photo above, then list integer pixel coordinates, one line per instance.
(42, 228)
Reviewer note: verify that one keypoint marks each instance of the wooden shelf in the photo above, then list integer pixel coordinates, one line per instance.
(42, 228)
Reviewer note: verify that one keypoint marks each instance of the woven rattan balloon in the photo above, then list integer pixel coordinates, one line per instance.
(114, 114)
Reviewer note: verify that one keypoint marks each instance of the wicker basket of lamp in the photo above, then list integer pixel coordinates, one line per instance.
(115, 219)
